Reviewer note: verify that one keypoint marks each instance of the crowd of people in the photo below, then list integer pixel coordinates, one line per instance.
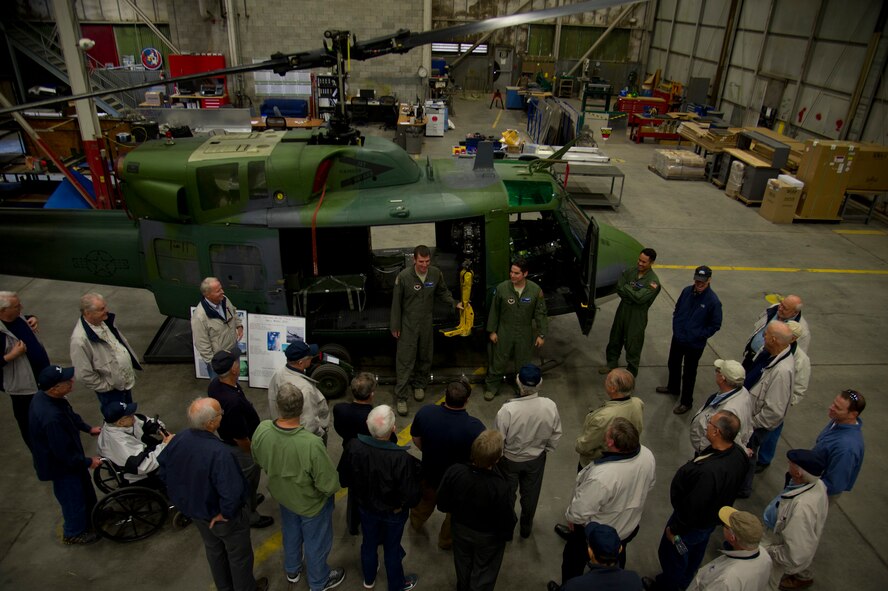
(474, 475)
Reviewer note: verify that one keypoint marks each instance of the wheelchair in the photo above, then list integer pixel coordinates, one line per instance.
(129, 512)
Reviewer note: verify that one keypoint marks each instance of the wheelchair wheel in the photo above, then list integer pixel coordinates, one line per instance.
(105, 477)
(180, 520)
(130, 514)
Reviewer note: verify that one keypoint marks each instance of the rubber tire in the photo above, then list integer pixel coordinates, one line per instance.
(106, 478)
(135, 513)
(337, 350)
(333, 381)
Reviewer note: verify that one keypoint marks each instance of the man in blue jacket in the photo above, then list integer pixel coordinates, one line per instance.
(58, 454)
(697, 316)
(205, 482)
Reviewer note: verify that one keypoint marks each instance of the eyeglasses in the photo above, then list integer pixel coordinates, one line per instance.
(713, 425)
(852, 395)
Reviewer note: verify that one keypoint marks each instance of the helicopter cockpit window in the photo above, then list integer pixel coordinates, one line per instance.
(219, 186)
(257, 181)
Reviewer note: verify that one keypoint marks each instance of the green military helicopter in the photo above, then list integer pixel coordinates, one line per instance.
(290, 221)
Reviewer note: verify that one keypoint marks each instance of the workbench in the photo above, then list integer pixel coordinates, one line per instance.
(258, 123)
(581, 176)
(755, 177)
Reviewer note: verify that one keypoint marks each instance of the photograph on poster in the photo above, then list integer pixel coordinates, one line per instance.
(266, 344)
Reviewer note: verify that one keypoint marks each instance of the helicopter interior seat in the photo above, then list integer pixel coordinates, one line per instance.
(358, 110)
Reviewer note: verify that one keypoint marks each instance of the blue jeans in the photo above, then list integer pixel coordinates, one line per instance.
(769, 446)
(77, 497)
(678, 570)
(385, 528)
(315, 534)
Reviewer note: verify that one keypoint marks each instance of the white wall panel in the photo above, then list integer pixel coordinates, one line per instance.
(849, 20)
(784, 55)
(746, 49)
(683, 38)
(716, 12)
(754, 14)
(709, 45)
(822, 111)
(794, 17)
(836, 66)
(689, 10)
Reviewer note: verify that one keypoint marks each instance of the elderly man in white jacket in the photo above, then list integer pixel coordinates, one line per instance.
(795, 520)
(732, 396)
(133, 442)
(744, 565)
(799, 389)
(611, 490)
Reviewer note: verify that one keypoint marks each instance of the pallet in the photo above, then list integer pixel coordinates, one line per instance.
(717, 183)
(744, 200)
(675, 178)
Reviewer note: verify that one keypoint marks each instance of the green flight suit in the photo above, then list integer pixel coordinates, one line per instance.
(511, 317)
(412, 304)
(636, 296)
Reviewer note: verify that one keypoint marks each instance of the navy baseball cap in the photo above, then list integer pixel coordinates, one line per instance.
(604, 541)
(115, 411)
(702, 273)
(52, 375)
(530, 375)
(299, 350)
(808, 460)
(223, 360)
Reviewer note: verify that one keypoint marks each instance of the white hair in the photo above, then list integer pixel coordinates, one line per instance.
(206, 283)
(88, 301)
(381, 421)
(6, 298)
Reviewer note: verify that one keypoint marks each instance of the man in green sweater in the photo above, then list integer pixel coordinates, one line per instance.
(637, 288)
(302, 478)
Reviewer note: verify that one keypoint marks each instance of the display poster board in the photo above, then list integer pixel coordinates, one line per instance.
(269, 338)
(200, 368)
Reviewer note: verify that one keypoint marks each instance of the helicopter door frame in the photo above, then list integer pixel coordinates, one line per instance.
(245, 259)
(584, 289)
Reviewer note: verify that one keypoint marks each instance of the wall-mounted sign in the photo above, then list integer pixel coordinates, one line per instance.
(151, 58)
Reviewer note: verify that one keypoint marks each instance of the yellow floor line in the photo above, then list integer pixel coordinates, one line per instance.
(496, 121)
(783, 269)
(862, 232)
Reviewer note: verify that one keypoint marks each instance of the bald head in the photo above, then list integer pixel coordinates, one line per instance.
(619, 383)
(204, 413)
(777, 337)
(789, 307)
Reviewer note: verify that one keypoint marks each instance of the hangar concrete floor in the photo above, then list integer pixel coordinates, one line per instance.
(841, 271)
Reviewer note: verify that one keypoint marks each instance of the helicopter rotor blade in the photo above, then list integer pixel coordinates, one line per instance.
(503, 22)
(401, 41)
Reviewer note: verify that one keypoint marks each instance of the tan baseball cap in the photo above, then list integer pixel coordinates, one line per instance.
(746, 526)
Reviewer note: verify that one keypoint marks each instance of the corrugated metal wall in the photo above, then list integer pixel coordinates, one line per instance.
(802, 58)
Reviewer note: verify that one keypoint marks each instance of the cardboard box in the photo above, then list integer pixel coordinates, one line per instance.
(869, 168)
(826, 170)
(780, 201)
